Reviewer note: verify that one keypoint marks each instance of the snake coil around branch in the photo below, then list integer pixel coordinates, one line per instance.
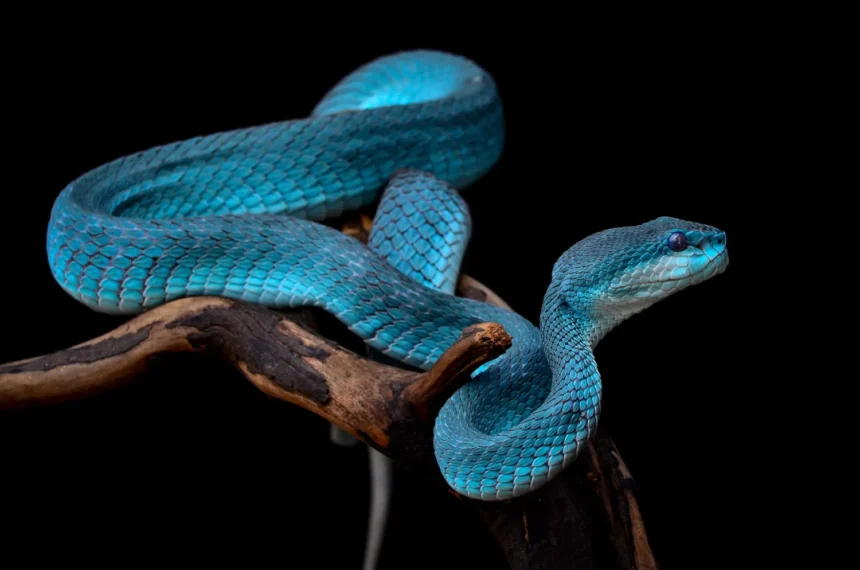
(203, 238)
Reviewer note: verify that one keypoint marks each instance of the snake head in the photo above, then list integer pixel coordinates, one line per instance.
(662, 257)
(618, 272)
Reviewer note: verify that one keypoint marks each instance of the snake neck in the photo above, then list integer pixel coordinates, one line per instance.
(594, 316)
(581, 314)
(568, 331)
(583, 303)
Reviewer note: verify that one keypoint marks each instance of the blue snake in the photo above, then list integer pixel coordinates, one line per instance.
(238, 214)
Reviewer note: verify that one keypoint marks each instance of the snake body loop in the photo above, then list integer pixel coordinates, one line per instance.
(235, 214)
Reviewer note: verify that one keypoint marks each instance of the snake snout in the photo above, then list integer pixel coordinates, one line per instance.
(716, 253)
(712, 245)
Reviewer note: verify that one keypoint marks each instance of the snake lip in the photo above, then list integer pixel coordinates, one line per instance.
(721, 260)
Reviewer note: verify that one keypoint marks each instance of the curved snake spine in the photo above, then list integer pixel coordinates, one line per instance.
(234, 214)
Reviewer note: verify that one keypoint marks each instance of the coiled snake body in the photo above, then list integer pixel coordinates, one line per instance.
(235, 214)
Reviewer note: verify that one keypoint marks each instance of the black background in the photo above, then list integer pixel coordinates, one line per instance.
(191, 463)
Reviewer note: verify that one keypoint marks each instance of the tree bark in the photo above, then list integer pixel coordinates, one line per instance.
(587, 518)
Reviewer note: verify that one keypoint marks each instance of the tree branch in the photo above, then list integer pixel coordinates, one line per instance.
(604, 467)
(588, 517)
(377, 403)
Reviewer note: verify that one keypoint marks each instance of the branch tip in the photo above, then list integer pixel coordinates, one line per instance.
(477, 345)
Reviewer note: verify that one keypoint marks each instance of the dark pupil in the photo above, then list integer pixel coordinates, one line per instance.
(677, 241)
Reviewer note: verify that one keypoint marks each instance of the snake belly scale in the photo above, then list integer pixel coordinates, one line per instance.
(235, 214)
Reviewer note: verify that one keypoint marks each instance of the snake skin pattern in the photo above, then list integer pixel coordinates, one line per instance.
(422, 228)
(235, 214)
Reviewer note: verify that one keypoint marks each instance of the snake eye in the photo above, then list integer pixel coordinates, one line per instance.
(678, 241)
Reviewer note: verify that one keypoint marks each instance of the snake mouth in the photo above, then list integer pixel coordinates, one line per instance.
(713, 267)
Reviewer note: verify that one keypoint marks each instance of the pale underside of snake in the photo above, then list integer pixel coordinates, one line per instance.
(235, 214)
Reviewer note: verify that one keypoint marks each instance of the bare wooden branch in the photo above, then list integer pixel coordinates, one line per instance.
(375, 402)
(603, 466)
(478, 344)
(588, 517)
